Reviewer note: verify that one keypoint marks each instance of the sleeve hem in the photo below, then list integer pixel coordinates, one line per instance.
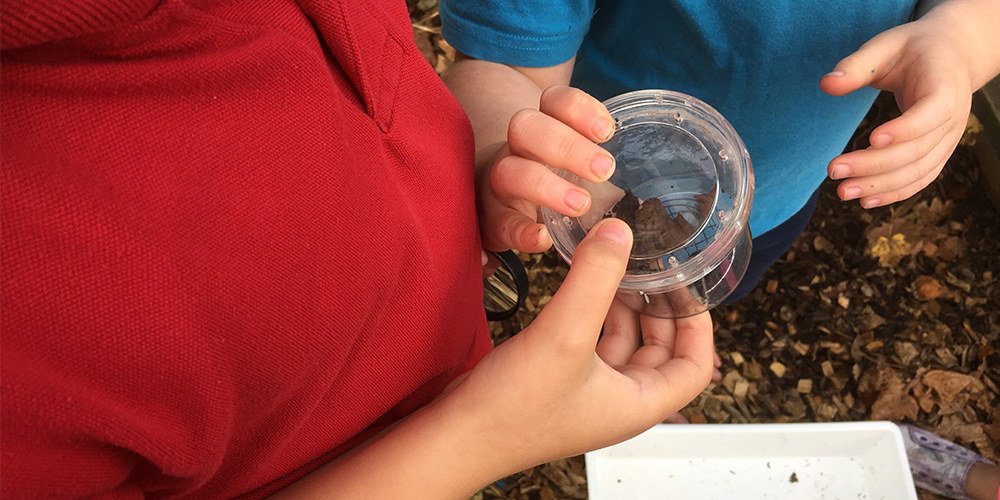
(489, 44)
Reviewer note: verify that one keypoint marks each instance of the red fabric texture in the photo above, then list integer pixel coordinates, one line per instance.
(238, 238)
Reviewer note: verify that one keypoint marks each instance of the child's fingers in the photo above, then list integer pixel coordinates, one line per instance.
(693, 341)
(689, 371)
(620, 338)
(571, 321)
(880, 187)
(882, 199)
(579, 110)
(658, 338)
(504, 228)
(871, 161)
(514, 178)
(924, 117)
(535, 135)
(676, 418)
(890, 187)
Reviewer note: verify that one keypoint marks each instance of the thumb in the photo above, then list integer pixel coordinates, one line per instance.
(870, 64)
(573, 318)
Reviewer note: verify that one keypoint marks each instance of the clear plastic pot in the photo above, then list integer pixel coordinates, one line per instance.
(684, 183)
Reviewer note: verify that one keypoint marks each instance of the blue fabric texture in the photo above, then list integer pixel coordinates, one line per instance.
(522, 33)
(758, 62)
(770, 246)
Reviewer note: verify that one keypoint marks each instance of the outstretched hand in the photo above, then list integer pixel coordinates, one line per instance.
(927, 69)
(560, 134)
(554, 390)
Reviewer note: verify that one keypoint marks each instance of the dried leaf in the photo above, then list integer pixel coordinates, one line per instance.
(984, 350)
(906, 351)
(952, 426)
(953, 389)
(951, 248)
(925, 397)
(868, 385)
(915, 232)
(890, 251)
(929, 214)
(936, 334)
(927, 288)
(869, 320)
(893, 402)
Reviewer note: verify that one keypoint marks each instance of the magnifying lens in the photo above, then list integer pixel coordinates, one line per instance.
(504, 291)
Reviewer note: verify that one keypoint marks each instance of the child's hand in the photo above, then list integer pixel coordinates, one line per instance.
(562, 135)
(554, 391)
(925, 65)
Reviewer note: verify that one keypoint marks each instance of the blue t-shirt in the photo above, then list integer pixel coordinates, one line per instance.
(758, 62)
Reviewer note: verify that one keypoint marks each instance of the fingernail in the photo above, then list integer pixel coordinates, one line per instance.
(872, 203)
(485, 258)
(841, 171)
(539, 235)
(835, 74)
(602, 165)
(852, 193)
(603, 129)
(881, 140)
(615, 232)
(575, 199)
(716, 374)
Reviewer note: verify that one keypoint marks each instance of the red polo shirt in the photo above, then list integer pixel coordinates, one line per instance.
(238, 237)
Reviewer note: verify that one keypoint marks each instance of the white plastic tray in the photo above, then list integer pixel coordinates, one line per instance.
(830, 461)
